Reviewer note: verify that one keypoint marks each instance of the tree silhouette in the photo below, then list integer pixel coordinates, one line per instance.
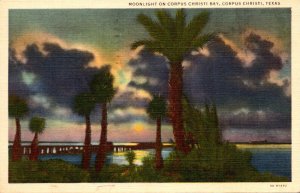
(103, 91)
(17, 109)
(157, 110)
(175, 38)
(36, 126)
(83, 105)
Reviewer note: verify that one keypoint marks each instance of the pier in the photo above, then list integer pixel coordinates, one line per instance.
(77, 149)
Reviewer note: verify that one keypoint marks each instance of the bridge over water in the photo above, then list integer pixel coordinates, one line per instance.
(77, 149)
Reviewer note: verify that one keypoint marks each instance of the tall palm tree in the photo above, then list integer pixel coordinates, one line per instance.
(36, 125)
(174, 38)
(157, 109)
(103, 90)
(17, 109)
(83, 105)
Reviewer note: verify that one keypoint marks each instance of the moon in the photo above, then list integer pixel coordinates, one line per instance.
(138, 127)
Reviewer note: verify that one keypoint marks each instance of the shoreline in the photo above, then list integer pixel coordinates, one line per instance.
(264, 146)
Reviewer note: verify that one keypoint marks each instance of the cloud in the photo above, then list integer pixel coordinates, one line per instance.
(28, 78)
(126, 118)
(49, 72)
(17, 85)
(222, 71)
(60, 73)
(258, 119)
(245, 55)
(117, 59)
(39, 38)
(150, 72)
(246, 76)
(130, 99)
(265, 61)
(222, 76)
(49, 76)
(62, 112)
(39, 100)
(279, 48)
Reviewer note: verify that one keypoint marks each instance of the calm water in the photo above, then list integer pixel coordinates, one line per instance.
(265, 158)
(115, 158)
(271, 158)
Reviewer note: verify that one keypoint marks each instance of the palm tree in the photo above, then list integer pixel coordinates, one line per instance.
(174, 38)
(83, 105)
(103, 91)
(157, 109)
(36, 126)
(17, 109)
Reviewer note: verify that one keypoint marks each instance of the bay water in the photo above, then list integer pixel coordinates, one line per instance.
(273, 158)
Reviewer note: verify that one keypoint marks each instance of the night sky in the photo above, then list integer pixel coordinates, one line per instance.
(246, 71)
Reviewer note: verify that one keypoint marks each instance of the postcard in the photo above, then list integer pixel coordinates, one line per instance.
(150, 96)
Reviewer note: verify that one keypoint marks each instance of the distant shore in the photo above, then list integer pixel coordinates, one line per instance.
(264, 146)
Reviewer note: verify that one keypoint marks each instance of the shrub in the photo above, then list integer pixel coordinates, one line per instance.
(148, 173)
(130, 157)
(110, 173)
(55, 171)
(221, 163)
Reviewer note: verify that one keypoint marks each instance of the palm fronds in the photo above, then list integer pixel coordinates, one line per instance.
(174, 37)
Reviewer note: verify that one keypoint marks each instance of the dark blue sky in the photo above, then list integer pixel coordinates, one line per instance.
(246, 71)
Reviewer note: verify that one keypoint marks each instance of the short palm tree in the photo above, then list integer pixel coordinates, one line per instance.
(83, 105)
(36, 125)
(174, 38)
(17, 109)
(157, 109)
(103, 90)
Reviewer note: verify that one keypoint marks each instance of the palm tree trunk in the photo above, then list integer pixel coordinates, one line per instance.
(158, 156)
(175, 107)
(100, 158)
(34, 148)
(190, 140)
(17, 149)
(86, 155)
